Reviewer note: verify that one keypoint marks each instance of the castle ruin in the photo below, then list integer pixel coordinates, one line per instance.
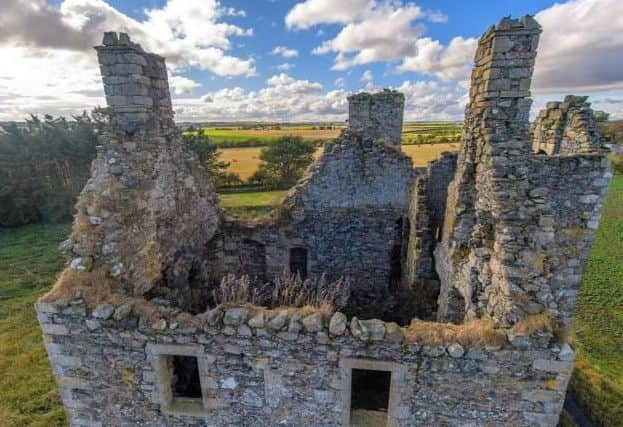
(463, 273)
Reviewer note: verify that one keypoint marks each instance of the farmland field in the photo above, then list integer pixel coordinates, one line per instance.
(306, 132)
(413, 133)
(245, 160)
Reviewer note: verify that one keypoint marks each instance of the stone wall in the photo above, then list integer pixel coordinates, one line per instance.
(348, 212)
(566, 127)
(379, 115)
(518, 226)
(426, 215)
(286, 368)
(149, 207)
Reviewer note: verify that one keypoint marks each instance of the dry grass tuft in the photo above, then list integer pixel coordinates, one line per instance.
(287, 291)
(536, 323)
(93, 286)
(475, 333)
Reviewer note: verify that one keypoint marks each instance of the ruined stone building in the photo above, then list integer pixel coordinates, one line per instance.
(463, 274)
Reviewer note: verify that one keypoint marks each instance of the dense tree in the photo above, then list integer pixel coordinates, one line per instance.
(601, 116)
(284, 162)
(208, 156)
(44, 165)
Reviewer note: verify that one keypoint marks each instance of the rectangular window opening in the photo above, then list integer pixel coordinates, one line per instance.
(185, 381)
(298, 262)
(369, 401)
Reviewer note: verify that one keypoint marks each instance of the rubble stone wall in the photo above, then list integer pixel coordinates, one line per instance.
(149, 206)
(518, 226)
(379, 114)
(287, 370)
(566, 127)
(426, 216)
(348, 212)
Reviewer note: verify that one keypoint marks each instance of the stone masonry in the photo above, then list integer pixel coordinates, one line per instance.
(518, 226)
(348, 212)
(379, 115)
(492, 243)
(566, 127)
(149, 207)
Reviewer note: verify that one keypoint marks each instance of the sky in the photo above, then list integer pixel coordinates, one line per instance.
(289, 60)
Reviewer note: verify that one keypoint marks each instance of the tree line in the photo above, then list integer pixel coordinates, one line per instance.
(45, 163)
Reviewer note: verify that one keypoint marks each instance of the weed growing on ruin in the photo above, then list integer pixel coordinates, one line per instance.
(291, 290)
(287, 290)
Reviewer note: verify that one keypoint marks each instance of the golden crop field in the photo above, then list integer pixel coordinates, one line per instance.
(244, 161)
(307, 132)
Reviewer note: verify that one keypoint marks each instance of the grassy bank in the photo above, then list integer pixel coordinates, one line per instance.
(29, 263)
(597, 382)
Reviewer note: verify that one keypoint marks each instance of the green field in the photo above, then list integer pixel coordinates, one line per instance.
(29, 263)
(261, 135)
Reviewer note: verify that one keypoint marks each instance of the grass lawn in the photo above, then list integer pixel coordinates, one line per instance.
(597, 381)
(250, 205)
(29, 263)
(255, 199)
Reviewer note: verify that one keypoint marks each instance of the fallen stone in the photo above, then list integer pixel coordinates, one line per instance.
(123, 310)
(393, 332)
(159, 325)
(257, 321)
(103, 311)
(235, 316)
(566, 352)
(375, 327)
(456, 350)
(359, 330)
(279, 321)
(337, 324)
(313, 322)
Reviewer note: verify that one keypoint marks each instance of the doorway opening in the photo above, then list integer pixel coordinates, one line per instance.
(185, 379)
(298, 262)
(369, 396)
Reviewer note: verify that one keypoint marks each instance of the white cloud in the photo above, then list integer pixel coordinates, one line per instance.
(339, 82)
(182, 85)
(437, 16)
(285, 52)
(367, 76)
(581, 47)
(49, 66)
(451, 62)
(285, 98)
(286, 66)
(313, 12)
(383, 32)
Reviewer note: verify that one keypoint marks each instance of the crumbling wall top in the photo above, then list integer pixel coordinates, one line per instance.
(135, 83)
(379, 114)
(566, 127)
